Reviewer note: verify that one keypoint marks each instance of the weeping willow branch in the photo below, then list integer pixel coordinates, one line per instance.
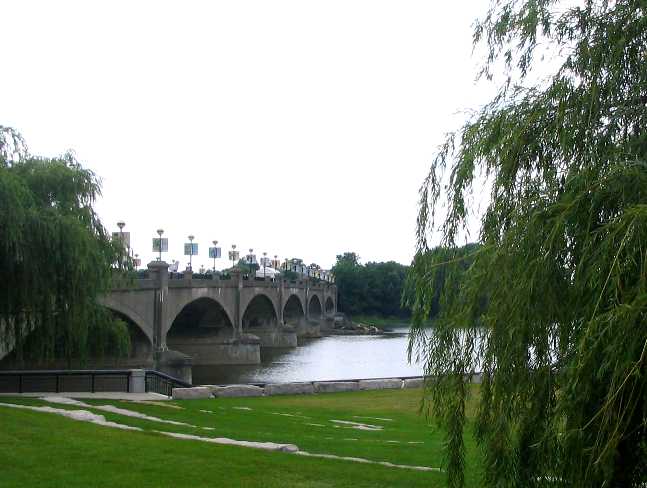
(55, 256)
(553, 306)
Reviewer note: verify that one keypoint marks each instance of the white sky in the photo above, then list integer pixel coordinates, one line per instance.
(299, 128)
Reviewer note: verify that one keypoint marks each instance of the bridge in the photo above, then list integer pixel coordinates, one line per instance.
(176, 321)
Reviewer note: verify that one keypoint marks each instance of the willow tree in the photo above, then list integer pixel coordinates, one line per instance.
(55, 257)
(559, 284)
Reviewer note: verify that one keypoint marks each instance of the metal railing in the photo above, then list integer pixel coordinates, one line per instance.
(84, 380)
(158, 382)
(56, 381)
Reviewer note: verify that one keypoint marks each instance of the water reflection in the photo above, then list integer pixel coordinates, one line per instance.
(328, 358)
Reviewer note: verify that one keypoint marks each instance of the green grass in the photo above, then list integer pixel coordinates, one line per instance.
(45, 450)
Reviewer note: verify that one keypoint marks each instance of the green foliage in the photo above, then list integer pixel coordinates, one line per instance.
(55, 255)
(247, 268)
(563, 262)
(452, 265)
(290, 275)
(371, 289)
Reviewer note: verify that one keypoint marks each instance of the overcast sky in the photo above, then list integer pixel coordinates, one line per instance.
(298, 128)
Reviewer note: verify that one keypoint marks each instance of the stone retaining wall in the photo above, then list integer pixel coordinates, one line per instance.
(389, 384)
(299, 388)
(335, 386)
(289, 389)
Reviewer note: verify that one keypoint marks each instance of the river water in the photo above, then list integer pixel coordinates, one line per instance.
(327, 358)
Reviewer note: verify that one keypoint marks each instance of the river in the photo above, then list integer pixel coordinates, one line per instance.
(327, 358)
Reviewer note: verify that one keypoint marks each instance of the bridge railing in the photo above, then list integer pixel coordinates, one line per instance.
(174, 275)
(180, 280)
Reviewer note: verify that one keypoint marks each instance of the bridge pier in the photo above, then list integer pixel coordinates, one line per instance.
(158, 271)
(276, 337)
(308, 329)
(214, 351)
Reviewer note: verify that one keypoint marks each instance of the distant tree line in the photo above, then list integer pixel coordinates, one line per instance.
(387, 289)
(371, 289)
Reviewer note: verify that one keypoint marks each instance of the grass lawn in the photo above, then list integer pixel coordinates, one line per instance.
(47, 450)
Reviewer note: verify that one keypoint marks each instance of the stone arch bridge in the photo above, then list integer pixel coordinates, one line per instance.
(218, 321)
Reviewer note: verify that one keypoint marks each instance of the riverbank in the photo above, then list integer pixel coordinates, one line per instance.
(381, 322)
(372, 426)
(386, 322)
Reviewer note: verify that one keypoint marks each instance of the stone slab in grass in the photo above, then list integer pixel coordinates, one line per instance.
(237, 391)
(386, 384)
(334, 386)
(289, 389)
(413, 383)
(191, 393)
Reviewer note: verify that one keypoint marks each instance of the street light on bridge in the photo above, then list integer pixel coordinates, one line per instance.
(233, 255)
(121, 224)
(215, 253)
(160, 244)
(191, 237)
(124, 238)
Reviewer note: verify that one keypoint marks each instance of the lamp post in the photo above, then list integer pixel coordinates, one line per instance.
(191, 237)
(264, 261)
(159, 233)
(215, 244)
(249, 261)
(233, 255)
(121, 224)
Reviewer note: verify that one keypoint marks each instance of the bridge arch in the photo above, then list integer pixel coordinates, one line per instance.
(314, 307)
(330, 306)
(178, 299)
(141, 346)
(131, 315)
(293, 311)
(260, 313)
(202, 317)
